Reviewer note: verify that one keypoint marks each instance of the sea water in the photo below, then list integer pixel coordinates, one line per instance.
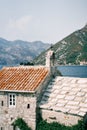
(73, 71)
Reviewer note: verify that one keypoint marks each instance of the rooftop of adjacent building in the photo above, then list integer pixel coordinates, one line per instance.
(67, 95)
(22, 78)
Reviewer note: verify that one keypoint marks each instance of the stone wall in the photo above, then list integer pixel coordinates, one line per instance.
(9, 115)
(53, 116)
(41, 89)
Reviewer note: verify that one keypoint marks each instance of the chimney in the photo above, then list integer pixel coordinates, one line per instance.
(50, 62)
(48, 58)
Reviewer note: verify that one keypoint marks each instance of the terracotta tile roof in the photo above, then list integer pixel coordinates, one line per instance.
(22, 78)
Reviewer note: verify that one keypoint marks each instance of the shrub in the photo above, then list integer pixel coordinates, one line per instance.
(43, 125)
(84, 126)
(20, 123)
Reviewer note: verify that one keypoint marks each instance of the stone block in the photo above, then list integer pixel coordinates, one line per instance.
(60, 96)
(75, 103)
(72, 107)
(83, 105)
(69, 97)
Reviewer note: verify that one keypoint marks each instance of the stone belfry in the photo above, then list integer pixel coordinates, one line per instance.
(50, 61)
(49, 56)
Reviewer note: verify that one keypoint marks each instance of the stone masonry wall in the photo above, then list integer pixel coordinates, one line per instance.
(42, 87)
(9, 115)
(53, 116)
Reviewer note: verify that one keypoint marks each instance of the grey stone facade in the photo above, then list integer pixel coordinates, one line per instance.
(60, 117)
(9, 114)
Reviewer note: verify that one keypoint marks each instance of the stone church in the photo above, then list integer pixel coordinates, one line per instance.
(23, 89)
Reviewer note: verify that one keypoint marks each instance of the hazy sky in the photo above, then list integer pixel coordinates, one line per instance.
(45, 20)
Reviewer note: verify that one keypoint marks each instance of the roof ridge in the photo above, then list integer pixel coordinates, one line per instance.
(24, 67)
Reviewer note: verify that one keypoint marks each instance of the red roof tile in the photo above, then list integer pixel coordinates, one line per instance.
(22, 78)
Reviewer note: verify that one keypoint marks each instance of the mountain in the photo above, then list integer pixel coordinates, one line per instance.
(70, 50)
(14, 52)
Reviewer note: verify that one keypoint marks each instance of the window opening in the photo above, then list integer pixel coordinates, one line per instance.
(28, 106)
(2, 128)
(2, 103)
(12, 100)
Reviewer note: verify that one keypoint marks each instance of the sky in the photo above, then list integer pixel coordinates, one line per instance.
(41, 20)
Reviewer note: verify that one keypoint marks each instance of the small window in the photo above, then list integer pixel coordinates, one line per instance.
(12, 100)
(28, 106)
(2, 128)
(2, 103)
(11, 118)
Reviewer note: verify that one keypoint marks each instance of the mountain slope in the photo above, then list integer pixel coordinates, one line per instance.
(14, 52)
(70, 50)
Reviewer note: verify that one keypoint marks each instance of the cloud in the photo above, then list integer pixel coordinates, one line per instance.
(20, 24)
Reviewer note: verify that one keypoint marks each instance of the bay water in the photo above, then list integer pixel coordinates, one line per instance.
(73, 71)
